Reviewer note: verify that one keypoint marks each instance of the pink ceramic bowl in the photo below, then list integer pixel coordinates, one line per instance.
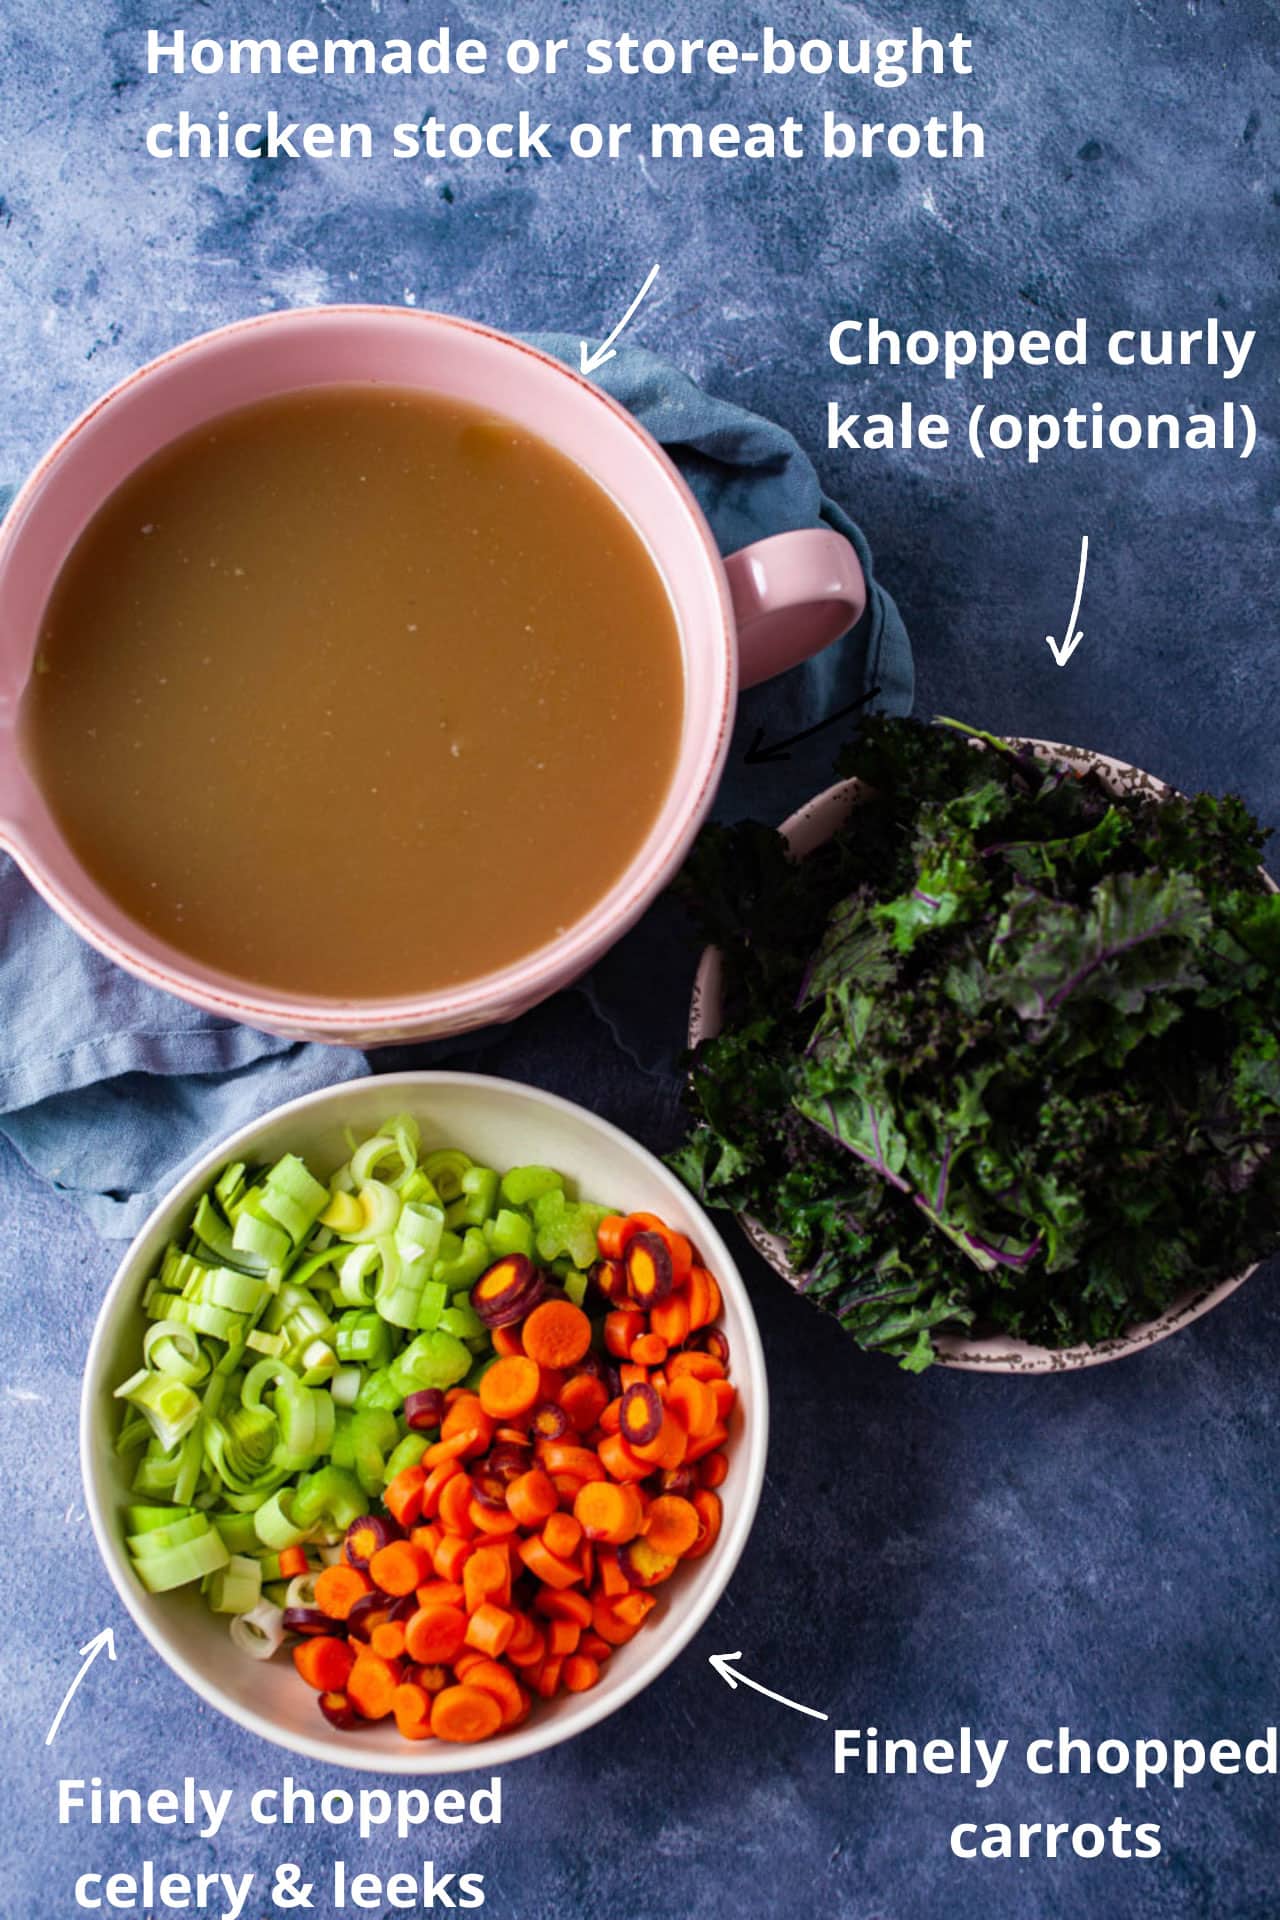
(806, 829)
(740, 621)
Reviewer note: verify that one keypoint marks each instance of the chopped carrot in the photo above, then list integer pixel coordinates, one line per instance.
(561, 1456)
(567, 1604)
(594, 1648)
(466, 1414)
(562, 1638)
(451, 1556)
(726, 1395)
(611, 1418)
(613, 1234)
(547, 1566)
(582, 1400)
(697, 1299)
(487, 1576)
(338, 1588)
(650, 1350)
(671, 1524)
(387, 1639)
(451, 1449)
(713, 1469)
(436, 1481)
(566, 1486)
(428, 1537)
(679, 1248)
(411, 1705)
(710, 1514)
(609, 1625)
(562, 1535)
(621, 1326)
(324, 1662)
(490, 1628)
(532, 1498)
(511, 1387)
(492, 1677)
(402, 1497)
(669, 1321)
(634, 1608)
(613, 1576)
(580, 1673)
(399, 1567)
(465, 1713)
(467, 1659)
(546, 1681)
(528, 1653)
(703, 1366)
(667, 1449)
(440, 1593)
(455, 1504)
(435, 1635)
(497, 1521)
(506, 1341)
(692, 1404)
(707, 1443)
(364, 1537)
(556, 1334)
(618, 1460)
(371, 1686)
(609, 1512)
(293, 1563)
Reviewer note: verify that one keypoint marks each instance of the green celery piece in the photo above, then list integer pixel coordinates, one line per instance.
(407, 1453)
(522, 1185)
(435, 1359)
(378, 1390)
(445, 1168)
(566, 1227)
(478, 1199)
(434, 1300)
(293, 1197)
(261, 1237)
(237, 1532)
(462, 1321)
(509, 1232)
(471, 1261)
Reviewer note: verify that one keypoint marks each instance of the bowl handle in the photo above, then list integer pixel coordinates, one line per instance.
(793, 594)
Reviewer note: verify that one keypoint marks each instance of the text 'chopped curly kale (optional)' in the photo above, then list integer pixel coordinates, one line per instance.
(1003, 1054)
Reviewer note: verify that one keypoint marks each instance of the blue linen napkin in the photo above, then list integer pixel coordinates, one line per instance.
(109, 1088)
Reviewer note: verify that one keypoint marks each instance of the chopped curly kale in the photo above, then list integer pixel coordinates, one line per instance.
(1004, 1053)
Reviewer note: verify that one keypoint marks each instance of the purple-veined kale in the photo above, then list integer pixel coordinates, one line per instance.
(1005, 1053)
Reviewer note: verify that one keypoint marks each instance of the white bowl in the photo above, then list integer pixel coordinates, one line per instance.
(503, 1124)
(808, 828)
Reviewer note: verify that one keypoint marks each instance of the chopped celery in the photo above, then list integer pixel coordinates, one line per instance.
(466, 1266)
(477, 1199)
(566, 1226)
(282, 1335)
(523, 1185)
(509, 1232)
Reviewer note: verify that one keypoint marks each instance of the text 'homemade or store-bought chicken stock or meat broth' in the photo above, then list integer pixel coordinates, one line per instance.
(357, 691)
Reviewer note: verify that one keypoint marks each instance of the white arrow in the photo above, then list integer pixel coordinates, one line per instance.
(605, 351)
(1063, 650)
(720, 1661)
(90, 1650)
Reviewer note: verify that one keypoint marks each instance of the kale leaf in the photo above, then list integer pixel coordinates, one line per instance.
(1004, 1053)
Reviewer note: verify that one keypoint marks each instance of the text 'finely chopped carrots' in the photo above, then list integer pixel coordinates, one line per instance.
(533, 1508)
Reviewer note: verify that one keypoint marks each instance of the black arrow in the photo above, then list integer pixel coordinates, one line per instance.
(758, 755)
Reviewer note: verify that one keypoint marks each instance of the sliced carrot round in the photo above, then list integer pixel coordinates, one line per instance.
(465, 1713)
(510, 1387)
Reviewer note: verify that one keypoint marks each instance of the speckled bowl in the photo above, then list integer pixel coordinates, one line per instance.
(806, 829)
(506, 1125)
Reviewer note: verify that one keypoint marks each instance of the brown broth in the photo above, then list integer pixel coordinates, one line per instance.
(357, 692)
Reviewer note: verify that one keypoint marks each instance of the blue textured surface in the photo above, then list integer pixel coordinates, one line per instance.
(1097, 1549)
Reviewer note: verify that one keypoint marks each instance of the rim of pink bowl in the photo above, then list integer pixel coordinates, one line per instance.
(810, 825)
(487, 996)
